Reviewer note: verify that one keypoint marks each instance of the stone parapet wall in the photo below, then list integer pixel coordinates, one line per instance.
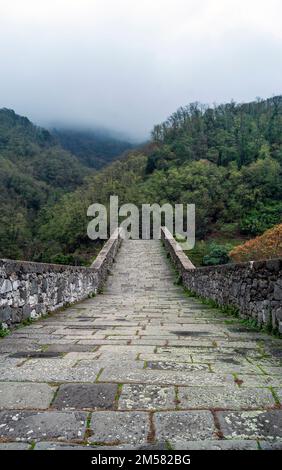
(30, 290)
(253, 288)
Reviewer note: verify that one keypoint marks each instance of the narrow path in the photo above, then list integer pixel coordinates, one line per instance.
(140, 366)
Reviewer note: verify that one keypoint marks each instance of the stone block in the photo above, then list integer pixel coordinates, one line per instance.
(6, 287)
(32, 425)
(86, 396)
(224, 397)
(182, 426)
(146, 397)
(49, 445)
(5, 314)
(251, 424)
(14, 395)
(216, 445)
(14, 446)
(119, 427)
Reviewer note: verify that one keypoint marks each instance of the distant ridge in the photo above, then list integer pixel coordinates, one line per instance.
(94, 148)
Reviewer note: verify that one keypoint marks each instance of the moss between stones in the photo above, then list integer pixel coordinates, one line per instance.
(232, 311)
(228, 310)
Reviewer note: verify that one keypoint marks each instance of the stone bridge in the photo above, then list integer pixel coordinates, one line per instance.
(141, 365)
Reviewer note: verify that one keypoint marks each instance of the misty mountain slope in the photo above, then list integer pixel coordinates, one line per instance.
(34, 171)
(36, 153)
(94, 149)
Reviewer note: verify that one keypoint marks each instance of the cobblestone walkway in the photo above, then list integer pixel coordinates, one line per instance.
(140, 366)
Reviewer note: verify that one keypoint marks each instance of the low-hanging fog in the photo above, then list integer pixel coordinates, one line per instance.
(127, 64)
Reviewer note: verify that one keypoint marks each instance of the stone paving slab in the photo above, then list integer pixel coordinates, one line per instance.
(182, 426)
(69, 348)
(220, 358)
(179, 366)
(14, 395)
(153, 367)
(216, 445)
(31, 426)
(89, 447)
(148, 342)
(14, 446)
(164, 358)
(54, 371)
(260, 380)
(10, 346)
(251, 424)
(273, 371)
(146, 397)
(183, 352)
(102, 342)
(36, 354)
(102, 363)
(119, 427)
(266, 362)
(235, 398)
(266, 445)
(126, 349)
(164, 377)
(85, 396)
(82, 356)
(45, 445)
(230, 368)
(7, 361)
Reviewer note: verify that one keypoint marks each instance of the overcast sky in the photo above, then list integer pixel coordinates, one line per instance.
(128, 64)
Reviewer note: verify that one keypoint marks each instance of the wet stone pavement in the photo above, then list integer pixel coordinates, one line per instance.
(140, 366)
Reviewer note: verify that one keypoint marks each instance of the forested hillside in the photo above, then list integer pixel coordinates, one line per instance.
(94, 149)
(34, 171)
(226, 159)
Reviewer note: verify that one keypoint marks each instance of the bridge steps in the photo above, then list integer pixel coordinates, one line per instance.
(153, 367)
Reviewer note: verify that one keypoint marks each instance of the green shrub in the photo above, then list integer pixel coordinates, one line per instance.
(218, 254)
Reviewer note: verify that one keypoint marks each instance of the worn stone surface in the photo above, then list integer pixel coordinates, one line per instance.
(119, 427)
(14, 446)
(225, 397)
(251, 424)
(172, 365)
(146, 397)
(266, 445)
(146, 347)
(30, 426)
(36, 355)
(85, 396)
(66, 348)
(14, 395)
(161, 377)
(45, 445)
(184, 426)
(216, 445)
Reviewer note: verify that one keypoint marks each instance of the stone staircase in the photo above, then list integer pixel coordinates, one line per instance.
(140, 366)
